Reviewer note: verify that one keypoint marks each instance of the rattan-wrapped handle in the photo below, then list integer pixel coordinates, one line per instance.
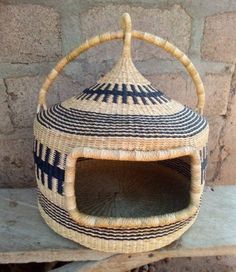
(126, 34)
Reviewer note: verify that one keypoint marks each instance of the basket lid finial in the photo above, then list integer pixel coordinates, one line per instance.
(124, 71)
(126, 25)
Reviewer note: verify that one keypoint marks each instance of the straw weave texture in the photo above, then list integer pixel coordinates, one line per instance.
(120, 166)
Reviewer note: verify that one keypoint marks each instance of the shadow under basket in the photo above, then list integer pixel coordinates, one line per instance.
(129, 189)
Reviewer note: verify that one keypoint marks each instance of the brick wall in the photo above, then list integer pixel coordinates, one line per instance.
(35, 34)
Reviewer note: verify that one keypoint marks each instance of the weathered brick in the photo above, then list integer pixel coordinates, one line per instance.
(29, 33)
(176, 86)
(71, 35)
(219, 41)
(215, 124)
(66, 88)
(217, 88)
(173, 85)
(228, 169)
(173, 24)
(81, 73)
(23, 96)
(16, 163)
(5, 121)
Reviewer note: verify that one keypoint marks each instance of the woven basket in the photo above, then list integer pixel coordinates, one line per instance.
(120, 167)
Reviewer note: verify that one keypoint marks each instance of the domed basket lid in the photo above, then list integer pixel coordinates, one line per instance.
(123, 110)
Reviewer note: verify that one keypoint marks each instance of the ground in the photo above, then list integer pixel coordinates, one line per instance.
(206, 264)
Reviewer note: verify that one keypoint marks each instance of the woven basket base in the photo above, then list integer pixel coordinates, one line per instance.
(124, 189)
(113, 245)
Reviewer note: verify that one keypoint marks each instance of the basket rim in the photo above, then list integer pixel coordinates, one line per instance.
(125, 222)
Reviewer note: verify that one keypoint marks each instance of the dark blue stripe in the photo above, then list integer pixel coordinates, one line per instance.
(56, 162)
(40, 155)
(136, 94)
(162, 95)
(52, 171)
(92, 93)
(118, 118)
(142, 131)
(124, 94)
(114, 92)
(146, 134)
(105, 127)
(98, 95)
(106, 96)
(83, 120)
(61, 216)
(82, 95)
(99, 115)
(152, 99)
(47, 156)
(59, 113)
(35, 152)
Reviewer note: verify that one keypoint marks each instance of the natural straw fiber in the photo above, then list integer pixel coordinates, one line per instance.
(120, 167)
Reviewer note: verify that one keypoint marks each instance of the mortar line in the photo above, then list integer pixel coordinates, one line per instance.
(8, 106)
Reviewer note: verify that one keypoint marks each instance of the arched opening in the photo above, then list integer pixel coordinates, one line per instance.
(110, 188)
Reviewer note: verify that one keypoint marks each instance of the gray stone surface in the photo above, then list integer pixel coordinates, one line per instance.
(29, 33)
(206, 264)
(16, 162)
(21, 241)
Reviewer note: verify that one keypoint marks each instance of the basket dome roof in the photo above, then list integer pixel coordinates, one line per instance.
(124, 111)
(123, 107)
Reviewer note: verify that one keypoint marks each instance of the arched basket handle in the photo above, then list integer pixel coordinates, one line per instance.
(127, 32)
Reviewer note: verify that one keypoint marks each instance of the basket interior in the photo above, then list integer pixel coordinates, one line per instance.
(132, 189)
